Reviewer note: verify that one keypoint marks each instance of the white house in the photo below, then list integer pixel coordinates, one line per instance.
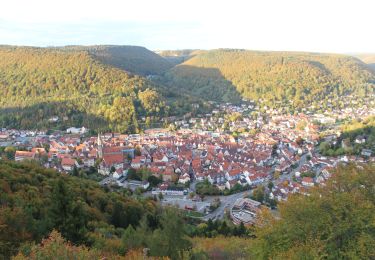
(185, 178)
(74, 130)
(68, 164)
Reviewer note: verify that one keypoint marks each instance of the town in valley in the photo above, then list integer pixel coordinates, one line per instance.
(224, 164)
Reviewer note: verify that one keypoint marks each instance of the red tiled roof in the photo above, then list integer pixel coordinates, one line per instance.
(112, 150)
(110, 159)
(234, 172)
(137, 159)
(68, 161)
(307, 179)
(25, 154)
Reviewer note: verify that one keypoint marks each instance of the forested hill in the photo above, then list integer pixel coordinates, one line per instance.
(38, 83)
(135, 59)
(104, 87)
(277, 76)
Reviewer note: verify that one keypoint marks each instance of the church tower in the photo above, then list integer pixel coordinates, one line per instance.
(100, 146)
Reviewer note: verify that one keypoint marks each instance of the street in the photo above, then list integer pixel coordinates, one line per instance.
(226, 202)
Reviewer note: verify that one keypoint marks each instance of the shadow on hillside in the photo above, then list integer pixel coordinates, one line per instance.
(133, 59)
(205, 83)
(320, 66)
(42, 115)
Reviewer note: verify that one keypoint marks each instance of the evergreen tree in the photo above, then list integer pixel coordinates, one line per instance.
(171, 240)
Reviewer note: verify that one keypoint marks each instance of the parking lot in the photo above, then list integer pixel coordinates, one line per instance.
(183, 202)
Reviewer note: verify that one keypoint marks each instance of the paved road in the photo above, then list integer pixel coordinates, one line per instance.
(289, 176)
(226, 202)
(193, 184)
(106, 180)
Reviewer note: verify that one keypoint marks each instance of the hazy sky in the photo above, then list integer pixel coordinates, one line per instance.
(315, 25)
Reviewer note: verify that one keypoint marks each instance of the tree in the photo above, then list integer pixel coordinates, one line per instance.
(324, 147)
(10, 152)
(118, 218)
(55, 247)
(153, 180)
(100, 96)
(35, 200)
(14, 230)
(258, 194)
(300, 141)
(272, 203)
(68, 216)
(224, 229)
(137, 151)
(75, 171)
(134, 175)
(171, 240)
(301, 125)
(340, 220)
(151, 100)
(240, 230)
(128, 239)
(61, 206)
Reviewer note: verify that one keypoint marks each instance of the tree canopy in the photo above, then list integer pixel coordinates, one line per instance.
(40, 83)
(336, 221)
(227, 74)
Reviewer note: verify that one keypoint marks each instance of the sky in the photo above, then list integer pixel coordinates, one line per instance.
(345, 26)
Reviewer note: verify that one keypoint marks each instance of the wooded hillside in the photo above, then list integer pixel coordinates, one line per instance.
(135, 59)
(38, 83)
(279, 76)
(335, 221)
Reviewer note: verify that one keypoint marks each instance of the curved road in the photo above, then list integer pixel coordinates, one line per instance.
(226, 202)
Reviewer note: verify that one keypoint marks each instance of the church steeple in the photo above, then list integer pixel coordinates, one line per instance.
(100, 146)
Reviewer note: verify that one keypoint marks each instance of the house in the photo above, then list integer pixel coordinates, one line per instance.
(68, 164)
(126, 152)
(24, 155)
(74, 130)
(200, 176)
(221, 185)
(255, 179)
(230, 184)
(89, 162)
(185, 178)
(166, 190)
(118, 173)
(4, 136)
(233, 174)
(283, 166)
(360, 139)
(279, 194)
(158, 157)
(138, 161)
(307, 181)
(167, 174)
(243, 182)
(133, 185)
(109, 161)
